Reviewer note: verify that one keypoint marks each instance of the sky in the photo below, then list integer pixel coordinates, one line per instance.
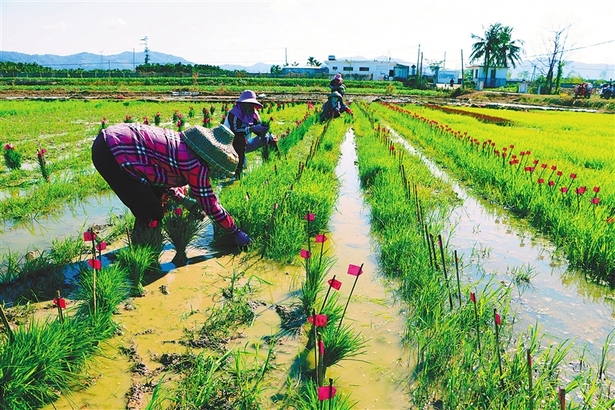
(290, 31)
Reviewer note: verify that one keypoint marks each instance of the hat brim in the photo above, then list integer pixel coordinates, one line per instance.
(251, 101)
(214, 147)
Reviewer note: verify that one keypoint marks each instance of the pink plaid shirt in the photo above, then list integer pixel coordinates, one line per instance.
(159, 157)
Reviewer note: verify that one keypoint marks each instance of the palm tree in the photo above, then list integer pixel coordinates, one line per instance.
(508, 50)
(496, 48)
(312, 62)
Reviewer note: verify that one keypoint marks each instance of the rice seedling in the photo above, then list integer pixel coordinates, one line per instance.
(137, 261)
(181, 227)
(103, 296)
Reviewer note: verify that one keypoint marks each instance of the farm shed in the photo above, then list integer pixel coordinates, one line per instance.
(496, 76)
(368, 69)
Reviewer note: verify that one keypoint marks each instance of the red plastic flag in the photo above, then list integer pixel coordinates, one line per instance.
(89, 236)
(95, 263)
(498, 320)
(473, 297)
(335, 284)
(305, 254)
(321, 238)
(178, 211)
(321, 347)
(152, 224)
(59, 302)
(309, 217)
(318, 320)
(354, 270)
(326, 392)
(101, 246)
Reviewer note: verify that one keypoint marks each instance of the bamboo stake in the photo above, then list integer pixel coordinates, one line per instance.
(327, 294)
(497, 345)
(458, 281)
(433, 250)
(94, 270)
(562, 398)
(448, 288)
(315, 348)
(5, 321)
(473, 299)
(349, 296)
(60, 314)
(529, 380)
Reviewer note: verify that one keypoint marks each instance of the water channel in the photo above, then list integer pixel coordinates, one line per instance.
(493, 244)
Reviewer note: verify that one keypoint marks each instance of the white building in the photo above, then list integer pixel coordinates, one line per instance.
(495, 76)
(368, 69)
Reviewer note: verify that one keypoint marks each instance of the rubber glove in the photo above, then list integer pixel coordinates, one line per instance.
(242, 239)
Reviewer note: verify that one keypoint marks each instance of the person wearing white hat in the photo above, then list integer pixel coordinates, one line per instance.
(243, 120)
(141, 163)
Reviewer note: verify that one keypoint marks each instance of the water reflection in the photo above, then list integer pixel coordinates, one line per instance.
(493, 244)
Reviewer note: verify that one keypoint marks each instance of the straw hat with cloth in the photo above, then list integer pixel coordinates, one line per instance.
(214, 146)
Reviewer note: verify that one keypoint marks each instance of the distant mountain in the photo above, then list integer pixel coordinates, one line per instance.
(128, 60)
(90, 61)
(255, 68)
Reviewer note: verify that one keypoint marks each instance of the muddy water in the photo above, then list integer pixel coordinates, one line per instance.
(375, 380)
(493, 244)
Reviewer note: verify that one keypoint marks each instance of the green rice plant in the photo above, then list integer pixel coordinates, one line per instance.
(603, 361)
(111, 288)
(342, 343)
(306, 398)
(46, 359)
(182, 227)
(205, 384)
(9, 267)
(65, 251)
(12, 158)
(534, 182)
(136, 261)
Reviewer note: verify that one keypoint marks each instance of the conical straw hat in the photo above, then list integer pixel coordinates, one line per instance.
(214, 146)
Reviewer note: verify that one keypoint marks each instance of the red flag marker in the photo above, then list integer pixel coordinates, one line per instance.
(59, 302)
(354, 270)
(89, 236)
(318, 320)
(321, 347)
(101, 246)
(320, 238)
(498, 319)
(326, 392)
(309, 217)
(473, 297)
(305, 254)
(335, 284)
(94, 263)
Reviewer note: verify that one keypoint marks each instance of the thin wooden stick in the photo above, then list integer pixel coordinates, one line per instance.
(9, 331)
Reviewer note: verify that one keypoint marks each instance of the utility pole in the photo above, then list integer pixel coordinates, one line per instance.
(144, 41)
(418, 57)
(462, 76)
(285, 57)
(444, 62)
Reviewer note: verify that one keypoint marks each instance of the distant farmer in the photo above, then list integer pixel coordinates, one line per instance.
(337, 84)
(245, 123)
(141, 163)
(334, 107)
(452, 82)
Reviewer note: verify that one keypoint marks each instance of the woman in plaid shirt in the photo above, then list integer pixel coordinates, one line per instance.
(141, 163)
